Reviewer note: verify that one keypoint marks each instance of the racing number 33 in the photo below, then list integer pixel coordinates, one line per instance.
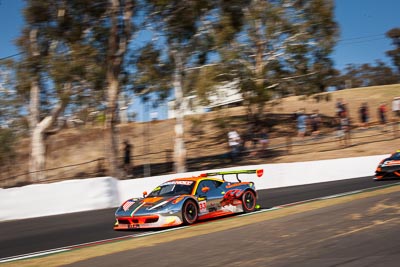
(203, 206)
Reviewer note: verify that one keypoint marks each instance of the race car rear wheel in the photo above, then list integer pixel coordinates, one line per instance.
(190, 212)
(249, 201)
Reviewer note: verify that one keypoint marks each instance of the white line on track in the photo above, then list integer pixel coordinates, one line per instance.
(67, 248)
(32, 255)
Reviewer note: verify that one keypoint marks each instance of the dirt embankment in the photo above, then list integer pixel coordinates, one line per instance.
(206, 142)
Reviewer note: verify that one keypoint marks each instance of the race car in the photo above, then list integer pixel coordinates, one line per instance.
(389, 167)
(184, 201)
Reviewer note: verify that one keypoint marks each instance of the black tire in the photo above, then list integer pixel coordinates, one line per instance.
(190, 212)
(249, 201)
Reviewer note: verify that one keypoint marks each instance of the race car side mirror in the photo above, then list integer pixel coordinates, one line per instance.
(205, 189)
(144, 193)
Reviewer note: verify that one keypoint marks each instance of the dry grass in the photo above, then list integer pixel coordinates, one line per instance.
(205, 135)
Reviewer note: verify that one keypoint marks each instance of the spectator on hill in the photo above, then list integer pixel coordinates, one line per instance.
(382, 110)
(315, 119)
(345, 126)
(301, 123)
(251, 136)
(264, 139)
(340, 107)
(127, 157)
(339, 130)
(342, 123)
(364, 114)
(234, 142)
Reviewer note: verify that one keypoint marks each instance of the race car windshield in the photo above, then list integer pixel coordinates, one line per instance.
(172, 189)
(395, 156)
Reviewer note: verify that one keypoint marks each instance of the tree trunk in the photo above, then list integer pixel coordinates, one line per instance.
(111, 130)
(120, 35)
(179, 146)
(259, 68)
(38, 156)
(38, 130)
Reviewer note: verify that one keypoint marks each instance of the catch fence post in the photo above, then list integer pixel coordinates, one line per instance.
(288, 144)
(395, 128)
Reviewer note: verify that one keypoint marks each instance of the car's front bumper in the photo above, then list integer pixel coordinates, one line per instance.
(149, 221)
(380, 175)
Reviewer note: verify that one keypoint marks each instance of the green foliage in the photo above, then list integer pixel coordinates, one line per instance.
(364, 75)
(394, 34)
(180, 19)
(69, 50)
(154, 73)
(278, 49)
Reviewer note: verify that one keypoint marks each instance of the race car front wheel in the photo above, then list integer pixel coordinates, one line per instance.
(249, 201)
(189, 212)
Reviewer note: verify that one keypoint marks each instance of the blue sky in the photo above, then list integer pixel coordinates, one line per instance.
(363, 24)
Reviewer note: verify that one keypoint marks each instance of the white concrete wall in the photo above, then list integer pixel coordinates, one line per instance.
(57, 198)
(106, 192)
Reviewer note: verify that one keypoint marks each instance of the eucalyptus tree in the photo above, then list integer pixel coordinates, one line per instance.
(9, 116)
(394, 34)
(10, 106)
(321, 32)
(57, 63)
(151, 79)
(121, 29)
(183, 24)
(279, 44)
(363, 75)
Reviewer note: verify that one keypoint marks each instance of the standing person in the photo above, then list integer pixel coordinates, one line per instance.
(345, 126)
(340, 107)
(264, 140)
(315, 122)
(127, 157)
(339, 130)
(364, 114)
(382, 110)
(301, 123)
(251, 136)
(234, 142)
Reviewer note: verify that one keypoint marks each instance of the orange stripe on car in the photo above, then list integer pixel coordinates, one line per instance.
(152, 200)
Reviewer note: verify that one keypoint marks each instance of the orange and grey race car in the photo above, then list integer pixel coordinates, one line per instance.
(184, 201)
(389, 167)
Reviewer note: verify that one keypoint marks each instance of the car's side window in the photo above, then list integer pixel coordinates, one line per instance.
(217, 183)
(206, 183)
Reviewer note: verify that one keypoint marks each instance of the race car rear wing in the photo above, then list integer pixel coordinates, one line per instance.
(258, 172)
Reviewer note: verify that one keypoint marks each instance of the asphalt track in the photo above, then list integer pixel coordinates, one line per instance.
(353, 231)
(44, 233)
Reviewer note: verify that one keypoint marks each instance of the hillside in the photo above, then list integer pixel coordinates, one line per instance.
(206, 140)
